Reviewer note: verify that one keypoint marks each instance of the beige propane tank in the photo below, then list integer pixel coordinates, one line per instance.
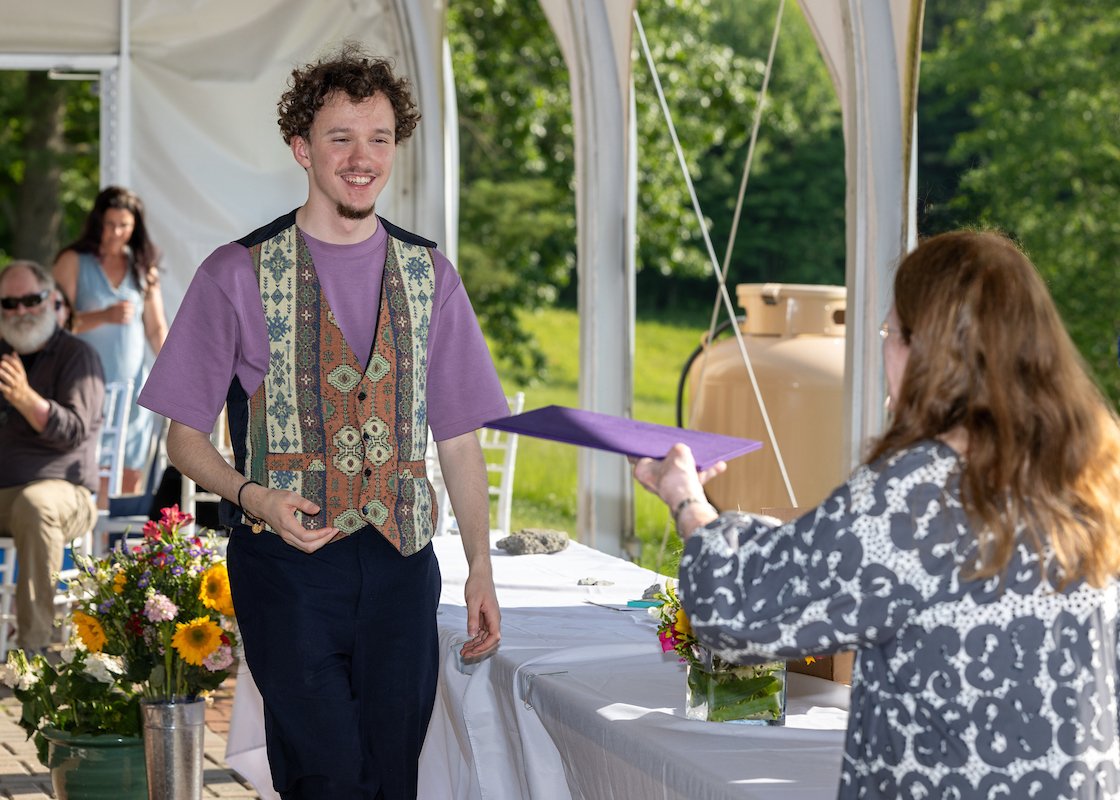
(794, 335)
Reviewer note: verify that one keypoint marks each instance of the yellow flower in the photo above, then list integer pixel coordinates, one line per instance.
(119, 580)
(681, 624)
(214, 591)
(89, 631)
(197, 639)
(810, 660)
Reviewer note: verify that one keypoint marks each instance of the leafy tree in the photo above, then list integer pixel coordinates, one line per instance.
(48, 152)
(1044, 155)
(517, 207)
(516, 139)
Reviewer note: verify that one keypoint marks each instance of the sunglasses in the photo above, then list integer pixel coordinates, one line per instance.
(27, 301)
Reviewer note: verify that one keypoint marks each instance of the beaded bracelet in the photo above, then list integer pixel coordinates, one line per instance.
(257, 522)
(683, 504)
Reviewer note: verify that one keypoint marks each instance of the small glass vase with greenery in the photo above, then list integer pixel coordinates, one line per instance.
(717, 690)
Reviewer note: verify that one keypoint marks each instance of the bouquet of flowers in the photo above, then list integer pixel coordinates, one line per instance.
(718, 690)
(162, 607)
(85, 693)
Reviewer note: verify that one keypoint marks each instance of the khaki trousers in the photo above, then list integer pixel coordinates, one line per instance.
(42, 516)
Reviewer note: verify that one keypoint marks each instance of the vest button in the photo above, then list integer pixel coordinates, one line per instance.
(368, 472)
(361, 396)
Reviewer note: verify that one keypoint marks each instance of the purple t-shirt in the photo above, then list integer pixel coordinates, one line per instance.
(220, 332)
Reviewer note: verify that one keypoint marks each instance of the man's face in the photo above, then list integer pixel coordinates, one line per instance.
(25, 328)
(349, 153)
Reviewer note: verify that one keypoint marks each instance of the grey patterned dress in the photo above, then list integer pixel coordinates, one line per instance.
(962, 688)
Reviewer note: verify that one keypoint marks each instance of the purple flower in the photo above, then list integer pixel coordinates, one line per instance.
(158, 608)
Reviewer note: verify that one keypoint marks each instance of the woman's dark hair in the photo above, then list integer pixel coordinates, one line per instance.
(144, 254)
(353, 72)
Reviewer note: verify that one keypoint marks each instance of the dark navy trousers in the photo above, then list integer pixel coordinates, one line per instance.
(343, 646)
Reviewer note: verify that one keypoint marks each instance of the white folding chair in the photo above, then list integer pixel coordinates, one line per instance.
(7, 593)
(114, 430)
(500, 450)
(110, 464)
(190, 493)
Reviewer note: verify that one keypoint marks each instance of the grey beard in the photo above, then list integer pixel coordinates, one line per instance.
(28, 334)
(349, 212)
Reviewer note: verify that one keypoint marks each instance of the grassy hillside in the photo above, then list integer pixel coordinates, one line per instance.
(545, 482)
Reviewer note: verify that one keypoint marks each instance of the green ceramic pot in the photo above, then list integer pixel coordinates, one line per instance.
(96, 767)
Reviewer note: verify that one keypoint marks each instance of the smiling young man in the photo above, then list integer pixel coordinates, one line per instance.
(337, 339)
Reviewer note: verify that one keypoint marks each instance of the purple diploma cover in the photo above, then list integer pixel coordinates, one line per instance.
(630, 437)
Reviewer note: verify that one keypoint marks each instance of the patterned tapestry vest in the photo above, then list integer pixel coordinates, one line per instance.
(350, 440)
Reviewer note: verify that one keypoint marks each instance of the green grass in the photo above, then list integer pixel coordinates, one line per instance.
(544, 493)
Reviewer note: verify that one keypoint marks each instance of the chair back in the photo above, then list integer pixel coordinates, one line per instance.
(118, 402)
(191, 493)
(500, 451)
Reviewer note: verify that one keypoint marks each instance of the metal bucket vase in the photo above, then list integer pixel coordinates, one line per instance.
(173, 733)
(102, 767)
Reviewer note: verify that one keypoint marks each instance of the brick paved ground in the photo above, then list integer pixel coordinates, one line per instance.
(22, 777)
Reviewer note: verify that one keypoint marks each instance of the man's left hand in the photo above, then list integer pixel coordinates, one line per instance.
(484, 618)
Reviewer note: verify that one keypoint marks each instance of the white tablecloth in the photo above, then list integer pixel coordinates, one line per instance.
(579, 702)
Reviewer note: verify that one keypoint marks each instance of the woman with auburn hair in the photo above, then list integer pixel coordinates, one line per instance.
(971, 562)
(110, 276)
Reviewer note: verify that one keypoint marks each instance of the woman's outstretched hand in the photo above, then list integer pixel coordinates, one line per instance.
(675, 480)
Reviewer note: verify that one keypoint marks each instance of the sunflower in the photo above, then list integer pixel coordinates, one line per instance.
(214, 591)
(681, 623)
(89, 631)
(197, 639)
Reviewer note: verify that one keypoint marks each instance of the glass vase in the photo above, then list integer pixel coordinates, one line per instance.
(753, 694)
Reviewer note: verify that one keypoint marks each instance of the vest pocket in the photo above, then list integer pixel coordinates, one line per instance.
(306, 476)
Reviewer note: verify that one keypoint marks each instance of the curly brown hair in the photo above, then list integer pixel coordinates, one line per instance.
(352, 71)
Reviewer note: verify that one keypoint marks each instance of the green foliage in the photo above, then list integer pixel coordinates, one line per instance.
(1044, 163)
(83, 693)
(711, 59)
(78, 179)
(517, 212)
(516, 209)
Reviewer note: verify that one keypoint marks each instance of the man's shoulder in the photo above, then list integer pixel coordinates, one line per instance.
(71, 349)
(266, 232)
(406, 236)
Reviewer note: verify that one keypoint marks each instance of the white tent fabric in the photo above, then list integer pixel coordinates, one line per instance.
(594, 36)
(192, 87)
(872, 49)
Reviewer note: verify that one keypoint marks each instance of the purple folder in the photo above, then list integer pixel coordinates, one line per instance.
(630, 437)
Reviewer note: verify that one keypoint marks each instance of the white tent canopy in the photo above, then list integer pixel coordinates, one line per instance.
(188, 121)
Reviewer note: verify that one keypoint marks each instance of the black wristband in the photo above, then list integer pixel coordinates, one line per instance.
(683, 504)
(257, 522)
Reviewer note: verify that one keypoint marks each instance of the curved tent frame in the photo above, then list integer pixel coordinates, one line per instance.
(187, 121)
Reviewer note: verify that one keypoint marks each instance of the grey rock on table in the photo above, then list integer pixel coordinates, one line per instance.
(534, 541)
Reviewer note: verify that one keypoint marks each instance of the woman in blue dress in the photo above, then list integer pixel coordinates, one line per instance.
(110, 276)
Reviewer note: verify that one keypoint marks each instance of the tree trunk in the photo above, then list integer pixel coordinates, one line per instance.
(39, 210)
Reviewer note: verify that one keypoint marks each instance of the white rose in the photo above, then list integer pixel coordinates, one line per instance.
(103, 668)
